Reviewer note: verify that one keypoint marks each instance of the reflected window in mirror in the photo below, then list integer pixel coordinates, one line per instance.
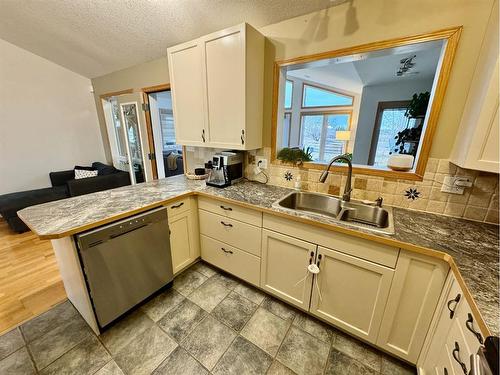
(371, 104)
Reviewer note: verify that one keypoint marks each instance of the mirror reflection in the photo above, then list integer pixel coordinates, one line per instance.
(370, 106)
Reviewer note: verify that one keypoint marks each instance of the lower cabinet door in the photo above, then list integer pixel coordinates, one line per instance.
(184, 244)
(413, 299)
(284, 268)
(350, 293)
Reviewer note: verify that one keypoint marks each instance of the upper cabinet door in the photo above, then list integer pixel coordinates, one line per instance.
(476, 144)
(188, 93)
(351, 293)
(231, 66)
(225, 80)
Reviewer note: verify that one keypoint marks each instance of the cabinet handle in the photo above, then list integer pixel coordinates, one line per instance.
(319, 260)
(203, 135)
(453, 302)
(242, 137)
(226, 208)
(177, 205)
(456, 356)
(470, 326)
(226, 224)
(445, 371)
(226, 251)
(311, 258)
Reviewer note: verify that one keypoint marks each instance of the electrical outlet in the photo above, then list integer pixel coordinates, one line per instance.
(261, 163)
(450, 185)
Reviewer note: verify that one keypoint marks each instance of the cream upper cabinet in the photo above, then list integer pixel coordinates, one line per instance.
(415, 291)
(284, 268)
(231, 66)
(476, 145)
(351, 293)
(184, 233)
(188, 88)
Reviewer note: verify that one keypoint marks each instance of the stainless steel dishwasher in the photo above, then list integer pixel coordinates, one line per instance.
(125, 262)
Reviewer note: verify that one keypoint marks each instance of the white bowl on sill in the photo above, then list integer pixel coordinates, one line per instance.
(400, 162)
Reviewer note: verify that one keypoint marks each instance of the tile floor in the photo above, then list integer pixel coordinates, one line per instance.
(208, 323)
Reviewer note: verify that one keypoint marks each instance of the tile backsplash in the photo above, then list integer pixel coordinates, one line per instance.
(479, 202)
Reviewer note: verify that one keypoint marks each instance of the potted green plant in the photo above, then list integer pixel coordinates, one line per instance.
(416, 110)
(418, 105)
(295, 155)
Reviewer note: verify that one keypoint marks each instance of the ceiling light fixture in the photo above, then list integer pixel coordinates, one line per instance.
(407, 63)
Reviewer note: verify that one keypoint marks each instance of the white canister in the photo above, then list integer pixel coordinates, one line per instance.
(400, 162)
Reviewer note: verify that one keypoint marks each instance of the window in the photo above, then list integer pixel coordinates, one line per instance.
(319, 131)
(287, 122)
(390, 120)
(288, 94)
(313, 96)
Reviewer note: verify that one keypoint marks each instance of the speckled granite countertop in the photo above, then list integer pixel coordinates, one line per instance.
(473, 246)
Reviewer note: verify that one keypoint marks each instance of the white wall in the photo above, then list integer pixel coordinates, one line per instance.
(48, 120)
(370, 98)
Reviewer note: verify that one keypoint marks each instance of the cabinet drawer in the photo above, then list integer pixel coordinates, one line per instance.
(232, 211)
(235, 261)
(178, 206)
(458, 349)
(233, 232)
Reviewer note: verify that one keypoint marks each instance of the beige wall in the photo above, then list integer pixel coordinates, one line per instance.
(48, 120)
(337, 27)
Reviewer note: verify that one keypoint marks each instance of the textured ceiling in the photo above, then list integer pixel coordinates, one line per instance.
(96, 37)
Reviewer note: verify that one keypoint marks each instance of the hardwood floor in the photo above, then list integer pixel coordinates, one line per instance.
(30, 283)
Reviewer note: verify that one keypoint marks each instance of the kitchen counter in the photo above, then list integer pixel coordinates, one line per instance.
(471, 248)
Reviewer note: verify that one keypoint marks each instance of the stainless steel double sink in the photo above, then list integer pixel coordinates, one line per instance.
(356, 213)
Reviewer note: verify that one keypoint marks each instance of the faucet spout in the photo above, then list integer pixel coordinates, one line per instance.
(347, 189)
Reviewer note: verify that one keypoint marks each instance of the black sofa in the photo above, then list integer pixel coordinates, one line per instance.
(64, 185)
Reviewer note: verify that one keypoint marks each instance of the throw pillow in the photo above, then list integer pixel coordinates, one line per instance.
(82, 173)
(103, 169)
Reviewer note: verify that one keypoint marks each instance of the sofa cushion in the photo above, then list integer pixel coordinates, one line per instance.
(103, 169)
(13, 202)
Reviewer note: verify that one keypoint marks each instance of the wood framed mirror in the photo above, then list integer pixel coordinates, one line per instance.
(373, 103)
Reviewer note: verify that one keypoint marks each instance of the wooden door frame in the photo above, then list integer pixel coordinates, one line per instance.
(149, 124)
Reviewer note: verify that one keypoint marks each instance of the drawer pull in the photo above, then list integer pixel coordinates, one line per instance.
(452, 305)
(226, 251)
(203, 135)
(177, 205)
(226, 208)
(445, 371)
(227, 224)
(456, 356)
(470, 326)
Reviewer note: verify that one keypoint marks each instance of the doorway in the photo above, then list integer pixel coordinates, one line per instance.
(159, 114)
(128, 135)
